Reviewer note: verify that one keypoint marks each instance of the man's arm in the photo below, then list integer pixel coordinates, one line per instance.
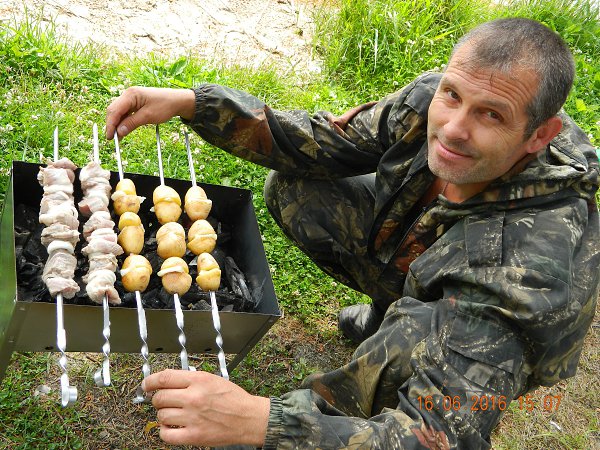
(320, 145)
(138, 106)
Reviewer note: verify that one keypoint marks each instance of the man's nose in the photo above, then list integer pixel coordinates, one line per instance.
(457, 126)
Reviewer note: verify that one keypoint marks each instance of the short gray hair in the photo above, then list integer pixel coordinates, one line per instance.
(506, 44)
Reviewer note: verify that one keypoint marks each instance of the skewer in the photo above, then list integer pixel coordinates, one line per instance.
(213, 297)
(219, 338)
(102, 375)
(140, 395)
(68, 392)
(179, 317)
(178, 310)
(160, 166)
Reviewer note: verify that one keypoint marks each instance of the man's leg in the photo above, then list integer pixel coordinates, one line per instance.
(330, 220)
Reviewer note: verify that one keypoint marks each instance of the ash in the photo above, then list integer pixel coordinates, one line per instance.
(233, 293)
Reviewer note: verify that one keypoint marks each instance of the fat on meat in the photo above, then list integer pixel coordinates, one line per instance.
(100, 283)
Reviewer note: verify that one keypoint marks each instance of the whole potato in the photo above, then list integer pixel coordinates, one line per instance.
(167, 212)
(201, 237)
(125, 202)
(131, 238)
(135, 273)
(171, 240)
(175, 277)
(126, 186)
(209, 273)
(197, 205)
(129, 218)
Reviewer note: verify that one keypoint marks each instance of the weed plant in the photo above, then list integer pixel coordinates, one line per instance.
(369, 49)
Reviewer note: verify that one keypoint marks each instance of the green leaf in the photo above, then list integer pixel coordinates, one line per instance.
(580, 105)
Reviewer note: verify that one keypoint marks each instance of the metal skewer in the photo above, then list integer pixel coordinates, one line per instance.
(178, 310)
(160, 166)
(68, 392)
(179, 317)
(213, 298)
(102, 375)
(219, 339)
(140, 395)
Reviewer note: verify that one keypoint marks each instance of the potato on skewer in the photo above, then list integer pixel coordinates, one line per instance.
(167, 204)
(197, 205)
(209, 273)
(175, 276)
(125, 198)
(135, 273)
(171, 240)
(201, 237)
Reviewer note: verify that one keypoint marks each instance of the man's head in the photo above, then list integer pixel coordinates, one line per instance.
(505, 44)
(497, 102)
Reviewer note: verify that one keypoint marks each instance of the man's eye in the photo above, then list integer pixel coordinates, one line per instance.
(453, 95)
(494, 115)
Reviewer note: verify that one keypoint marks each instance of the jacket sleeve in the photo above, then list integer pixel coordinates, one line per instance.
(296, 143)
(494, 299)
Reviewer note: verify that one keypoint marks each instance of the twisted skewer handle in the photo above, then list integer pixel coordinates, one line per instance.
(219, 338)
(140, 395)
(102, 375)
(68, 392)
(179, 317)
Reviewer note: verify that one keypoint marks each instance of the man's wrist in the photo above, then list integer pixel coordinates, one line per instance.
(186, 103)
(260, 420)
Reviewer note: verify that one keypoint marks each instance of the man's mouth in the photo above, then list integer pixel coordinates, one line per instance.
(450, 153)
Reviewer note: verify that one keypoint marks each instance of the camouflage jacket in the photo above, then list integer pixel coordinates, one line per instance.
(497, 305)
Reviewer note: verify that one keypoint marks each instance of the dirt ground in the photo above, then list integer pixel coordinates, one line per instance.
(246, 32)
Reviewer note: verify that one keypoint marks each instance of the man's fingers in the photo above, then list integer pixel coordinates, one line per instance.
(178, 436)
(167, 379)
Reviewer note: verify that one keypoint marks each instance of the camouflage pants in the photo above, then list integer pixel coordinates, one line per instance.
(330, 220)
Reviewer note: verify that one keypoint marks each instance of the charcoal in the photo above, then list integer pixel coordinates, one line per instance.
(200, 305)
(29, 273)
(21, 237)
(34, 251)
(152, 300)
(127, 299)
(236, 280)
(166, 299)
(190, 296)
(26, 218)
(227, 308)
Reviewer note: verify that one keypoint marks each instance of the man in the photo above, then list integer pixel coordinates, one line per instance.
(463, 205)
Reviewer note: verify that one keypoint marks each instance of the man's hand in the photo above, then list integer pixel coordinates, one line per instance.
(198, 408)
(138, 106)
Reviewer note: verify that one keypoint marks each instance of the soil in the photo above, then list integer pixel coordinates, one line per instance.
(244, 32)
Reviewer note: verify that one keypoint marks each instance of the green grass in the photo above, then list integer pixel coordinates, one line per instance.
(369, 49)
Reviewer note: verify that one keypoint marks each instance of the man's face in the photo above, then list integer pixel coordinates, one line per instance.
(477, 121)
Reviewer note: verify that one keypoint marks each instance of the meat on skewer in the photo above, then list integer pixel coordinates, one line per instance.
(58, 213)
(102, 247)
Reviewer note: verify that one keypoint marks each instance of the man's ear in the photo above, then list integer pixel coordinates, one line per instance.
(543, 134)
